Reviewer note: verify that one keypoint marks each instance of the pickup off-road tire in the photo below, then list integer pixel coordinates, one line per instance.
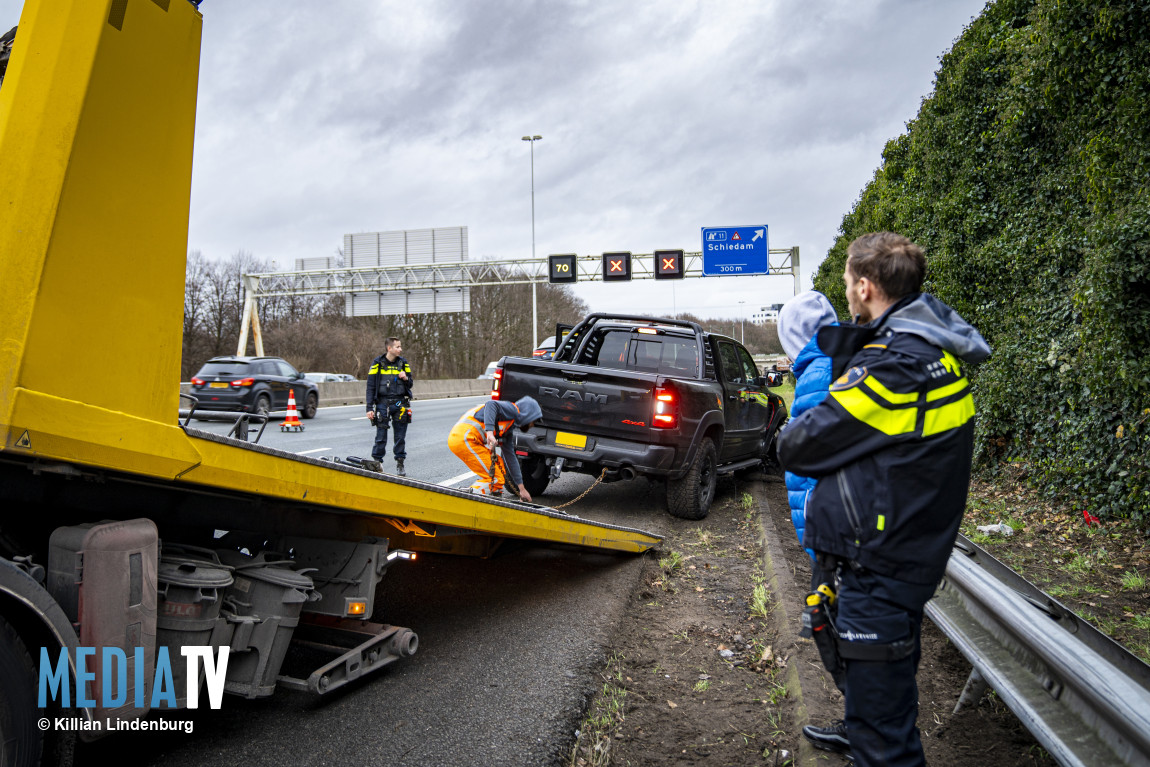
(690, 497)
(21, 741)
(536, 475)
(769, 452)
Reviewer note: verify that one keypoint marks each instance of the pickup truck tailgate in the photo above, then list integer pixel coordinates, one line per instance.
(584, 399)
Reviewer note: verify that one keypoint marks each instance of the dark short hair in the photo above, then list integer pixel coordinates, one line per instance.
(892, 262)
(391, 341)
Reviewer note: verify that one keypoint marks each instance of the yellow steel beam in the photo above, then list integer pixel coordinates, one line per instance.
(97, 114)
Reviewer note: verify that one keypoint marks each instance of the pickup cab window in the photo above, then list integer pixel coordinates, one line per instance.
(733, 369)
(750, 369)
(665, 354)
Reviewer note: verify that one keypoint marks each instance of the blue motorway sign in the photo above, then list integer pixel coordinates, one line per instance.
(735, 250)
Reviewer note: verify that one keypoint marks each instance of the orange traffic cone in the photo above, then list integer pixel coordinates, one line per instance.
(292, 420)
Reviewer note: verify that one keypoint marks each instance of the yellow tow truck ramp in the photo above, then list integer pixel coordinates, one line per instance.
(97, 117)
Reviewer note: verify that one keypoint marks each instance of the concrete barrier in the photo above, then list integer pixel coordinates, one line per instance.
(355, 392)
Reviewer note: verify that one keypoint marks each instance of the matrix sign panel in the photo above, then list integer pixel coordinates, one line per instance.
(561, 268)
(735, 250)
(616, 267)
(669, 265)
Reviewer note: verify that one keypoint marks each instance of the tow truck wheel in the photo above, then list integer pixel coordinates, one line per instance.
(21, 741)
(536, 475)
(690, 497)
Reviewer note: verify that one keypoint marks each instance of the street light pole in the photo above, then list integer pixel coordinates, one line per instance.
(742, 317)
(534, 304)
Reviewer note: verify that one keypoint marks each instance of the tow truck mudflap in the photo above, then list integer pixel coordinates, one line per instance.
(359, 647)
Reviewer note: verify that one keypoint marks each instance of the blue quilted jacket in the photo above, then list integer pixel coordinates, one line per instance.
(812, 371)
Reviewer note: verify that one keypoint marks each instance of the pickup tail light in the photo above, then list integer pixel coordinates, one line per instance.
(496, 383)
(243, 382)
(666, 414)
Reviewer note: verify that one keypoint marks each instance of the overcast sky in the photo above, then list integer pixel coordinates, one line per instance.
(317, 119)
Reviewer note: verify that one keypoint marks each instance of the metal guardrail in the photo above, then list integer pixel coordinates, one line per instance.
(1083, 697)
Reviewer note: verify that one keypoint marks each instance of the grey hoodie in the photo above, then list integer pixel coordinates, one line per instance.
(801, 317)
(931, 319)
(919, 315)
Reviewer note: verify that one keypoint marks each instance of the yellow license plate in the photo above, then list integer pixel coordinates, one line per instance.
(218, 385)
(577, 441)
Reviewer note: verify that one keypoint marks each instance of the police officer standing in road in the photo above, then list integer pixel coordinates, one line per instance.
(389, 401)
(891, 446)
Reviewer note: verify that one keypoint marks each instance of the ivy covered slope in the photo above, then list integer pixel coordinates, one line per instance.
(1024, 177)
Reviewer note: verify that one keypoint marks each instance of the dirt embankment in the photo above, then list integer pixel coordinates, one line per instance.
(708, 668)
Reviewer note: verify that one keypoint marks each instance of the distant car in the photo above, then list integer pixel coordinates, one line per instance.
(490, 371)
(253, 385)
(322, 377)
(345, 377)
(545, 349)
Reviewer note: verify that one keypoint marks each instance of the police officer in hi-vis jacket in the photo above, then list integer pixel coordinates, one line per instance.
(389, 401)
(891, 448)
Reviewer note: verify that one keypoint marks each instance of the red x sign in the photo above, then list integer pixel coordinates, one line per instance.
(616, 267)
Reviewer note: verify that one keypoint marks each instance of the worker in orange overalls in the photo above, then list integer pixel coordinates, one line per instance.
(483, 427)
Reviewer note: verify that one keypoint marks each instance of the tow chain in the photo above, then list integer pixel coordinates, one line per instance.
(576, 498)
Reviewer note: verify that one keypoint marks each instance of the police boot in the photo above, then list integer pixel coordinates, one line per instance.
(830, 738)
(399, 468)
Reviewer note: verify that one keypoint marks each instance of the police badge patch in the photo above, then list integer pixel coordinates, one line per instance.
(849, 379)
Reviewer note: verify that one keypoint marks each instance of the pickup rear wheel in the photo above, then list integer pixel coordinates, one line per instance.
(536, 475)
(690, 496)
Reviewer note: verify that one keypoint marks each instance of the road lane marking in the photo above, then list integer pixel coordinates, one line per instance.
(460, 478)
(317, 450)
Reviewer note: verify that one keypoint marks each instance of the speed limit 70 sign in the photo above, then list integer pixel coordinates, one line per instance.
(561, 268)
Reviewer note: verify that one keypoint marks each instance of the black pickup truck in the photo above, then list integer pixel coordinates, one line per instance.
(644, 396)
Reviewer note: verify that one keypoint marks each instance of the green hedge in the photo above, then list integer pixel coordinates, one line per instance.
(1024, 177)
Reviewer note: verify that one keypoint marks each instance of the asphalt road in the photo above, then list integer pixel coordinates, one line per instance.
(508, 646)
(343, 431)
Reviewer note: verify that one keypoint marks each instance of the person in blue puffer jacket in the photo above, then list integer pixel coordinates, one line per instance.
(799, 323)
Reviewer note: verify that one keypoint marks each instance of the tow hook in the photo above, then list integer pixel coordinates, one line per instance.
(557, 468)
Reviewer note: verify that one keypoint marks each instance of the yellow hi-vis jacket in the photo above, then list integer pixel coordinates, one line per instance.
(891, 445)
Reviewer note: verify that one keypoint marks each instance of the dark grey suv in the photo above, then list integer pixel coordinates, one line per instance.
(253, 385)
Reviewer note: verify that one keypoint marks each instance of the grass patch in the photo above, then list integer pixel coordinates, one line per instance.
(603, 719)
(672, 562)
(1080, 564)
(786, 391)
(760, 602)
(1132, 580)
